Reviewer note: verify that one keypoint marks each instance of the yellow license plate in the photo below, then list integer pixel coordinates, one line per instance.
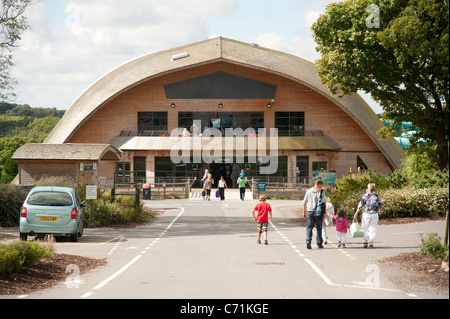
(48, 219)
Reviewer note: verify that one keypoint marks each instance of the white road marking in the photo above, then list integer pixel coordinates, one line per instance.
(320, 273)
(135, 259)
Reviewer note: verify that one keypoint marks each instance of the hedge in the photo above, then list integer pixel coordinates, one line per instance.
(406, 202)
(11, 200)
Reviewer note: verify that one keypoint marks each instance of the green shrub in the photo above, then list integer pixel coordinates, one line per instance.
(122, 211)
(405, 202)
(62, 181)
(17, 254)
(433, 247)
(409, 202)
(11, 200)
(350, 186)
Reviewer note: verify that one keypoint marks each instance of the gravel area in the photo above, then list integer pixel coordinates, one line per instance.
(45, 273)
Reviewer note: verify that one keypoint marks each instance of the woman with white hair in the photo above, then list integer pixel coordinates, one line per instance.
(371, 205)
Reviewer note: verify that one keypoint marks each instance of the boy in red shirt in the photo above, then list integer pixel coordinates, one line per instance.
(264, 213)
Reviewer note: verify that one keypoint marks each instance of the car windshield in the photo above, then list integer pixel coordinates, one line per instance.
(50, 199)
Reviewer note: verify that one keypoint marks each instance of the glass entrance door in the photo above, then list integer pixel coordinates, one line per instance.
(123, 172)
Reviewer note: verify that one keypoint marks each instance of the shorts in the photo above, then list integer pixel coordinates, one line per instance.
(262, 226)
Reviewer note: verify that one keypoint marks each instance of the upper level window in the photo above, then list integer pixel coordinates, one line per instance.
(290, 123)
(222, 120)
(220, 85)
(152, 121)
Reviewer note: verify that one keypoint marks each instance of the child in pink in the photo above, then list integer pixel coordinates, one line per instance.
(341, 227)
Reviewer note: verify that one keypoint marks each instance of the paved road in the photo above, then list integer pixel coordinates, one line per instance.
(206, 250)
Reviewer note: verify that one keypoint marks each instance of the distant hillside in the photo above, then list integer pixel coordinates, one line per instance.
(21, 124)
(26, 110)
(15, 117)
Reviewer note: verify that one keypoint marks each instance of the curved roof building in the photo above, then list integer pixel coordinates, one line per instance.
(225, 85)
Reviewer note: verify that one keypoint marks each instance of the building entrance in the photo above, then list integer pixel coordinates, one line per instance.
(165, 169)
(230, 172)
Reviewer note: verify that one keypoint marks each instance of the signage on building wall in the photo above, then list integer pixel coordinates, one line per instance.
(328, 177)
(88, 166)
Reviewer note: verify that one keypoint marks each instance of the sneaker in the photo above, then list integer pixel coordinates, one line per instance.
(343, 246)
(370, 246)
(266, 243)
(308, 245)
(365, 245)
(320, 246)
(339, 245)
(258, 241)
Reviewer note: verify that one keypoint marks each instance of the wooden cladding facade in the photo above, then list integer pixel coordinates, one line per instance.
(120, 115)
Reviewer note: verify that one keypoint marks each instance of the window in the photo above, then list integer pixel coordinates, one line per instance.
(319, 166)
(290, 123)
(360, 163)
(151, 121)
(302, 169)
(220, 85)
(164, 167)
(166, 170)
(282, 168)
(50, 199)
(139, 169)
(222, 120)
(122, 172)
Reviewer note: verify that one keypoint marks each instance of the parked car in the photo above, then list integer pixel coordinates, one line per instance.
(52, 210)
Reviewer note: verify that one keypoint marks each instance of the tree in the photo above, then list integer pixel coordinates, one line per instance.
(396, 50)
(12, 24)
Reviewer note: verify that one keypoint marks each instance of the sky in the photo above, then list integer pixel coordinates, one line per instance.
(73, 43)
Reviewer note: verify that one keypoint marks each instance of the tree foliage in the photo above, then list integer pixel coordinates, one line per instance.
(402, 60)
(21, 124)
(12, 24)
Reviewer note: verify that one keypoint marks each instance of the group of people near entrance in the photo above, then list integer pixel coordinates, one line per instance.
(208, 182)
(370, 205)
(317, 210)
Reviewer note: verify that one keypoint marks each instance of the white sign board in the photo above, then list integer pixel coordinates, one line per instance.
(91, 191)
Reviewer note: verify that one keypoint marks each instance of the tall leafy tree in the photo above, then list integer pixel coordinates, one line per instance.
(12, 24)
(396, 50)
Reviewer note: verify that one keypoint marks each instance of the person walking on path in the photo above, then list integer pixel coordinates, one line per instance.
(371, 206)
(330, 212)
(264, 213)
(310, 203)
(241, 182)
(205, 176)
(222, 186)
(341, 227)
(207, 186)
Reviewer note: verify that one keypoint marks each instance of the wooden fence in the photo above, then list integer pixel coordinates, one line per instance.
(278, 190)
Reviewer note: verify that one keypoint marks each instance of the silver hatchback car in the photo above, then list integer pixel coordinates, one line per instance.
(52, 210)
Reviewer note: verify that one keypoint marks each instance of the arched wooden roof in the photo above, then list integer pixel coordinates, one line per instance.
(153, 65)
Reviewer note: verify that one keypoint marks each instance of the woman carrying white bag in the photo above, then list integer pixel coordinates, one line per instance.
(371, 205)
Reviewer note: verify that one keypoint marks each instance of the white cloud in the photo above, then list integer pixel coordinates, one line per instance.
(270, 40)
(311, 17)
(70, 47)
(55, 63)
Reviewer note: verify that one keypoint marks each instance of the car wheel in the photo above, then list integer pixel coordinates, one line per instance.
(81, 231)
(23, 236)
(74, 237)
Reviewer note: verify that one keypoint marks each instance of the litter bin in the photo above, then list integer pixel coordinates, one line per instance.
(147, 193)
